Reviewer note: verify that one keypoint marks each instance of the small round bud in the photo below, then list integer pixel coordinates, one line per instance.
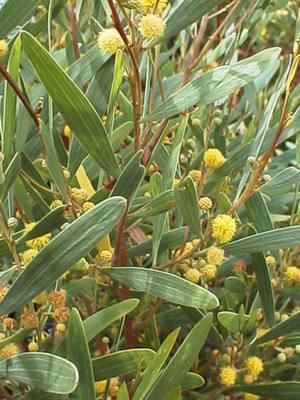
(297, 349)
(270, 261)
(66, 174)
(105, 340)
(196, 122)
(12, 222)
(33, 347)
(281, 357)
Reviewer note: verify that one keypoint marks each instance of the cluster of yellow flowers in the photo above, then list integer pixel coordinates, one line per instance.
(151, 27)
(254, 367)
(39, 242)
(292, 275)
(100, 387)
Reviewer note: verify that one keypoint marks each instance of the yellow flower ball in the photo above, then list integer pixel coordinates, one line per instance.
(223, 228)
(254, 366)
(152, 26)
(228, 376)
(80, 196)
(38, 242)
(205, 203)
(67, 131)
(147, 6)
(105, 256)
(8, 351)
(3, 47)
(292, 275)
(61, 328)
(195, 175)
(271, 261)
(192, 275)
(87, 206)
(100, 387)
(56, 203)
(209, 272)
(29, 255)
(213, 158)
(215, 255)
(110, 41)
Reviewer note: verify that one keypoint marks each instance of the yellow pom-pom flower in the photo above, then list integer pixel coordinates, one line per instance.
(110, 41)
(100, 387)
(254, 366)
(213, 158)
(147, 6)
(55, 204)
(87, 206)
(195, 175)
(292, 275)
(271, 261)
(215, 255)
(80, 196)
(3, 47)
(8, 351)
(192, 275)
(29, 255)
(209, 272)
(152, 26)
(105, 256)
(223, 228)
(228, 376)
(205, 203)
(38, 242)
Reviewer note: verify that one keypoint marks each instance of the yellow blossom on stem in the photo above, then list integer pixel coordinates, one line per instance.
(57, 298)
(110, 41)
(8, 351)
(152, 26)
(29, 319)
(38, 242)
(292, 275)
(196, 175)
(254, 366)
(192, 275)
(223, 228)
(147, 6)
(213, 158)
(215, 255)
(100, 387)
(209, 272)
(205, 203)
(228, 376)
(29, 255)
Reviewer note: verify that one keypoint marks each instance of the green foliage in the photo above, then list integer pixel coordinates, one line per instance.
(117, 279)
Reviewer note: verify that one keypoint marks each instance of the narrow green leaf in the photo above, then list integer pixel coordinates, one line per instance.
(186, 200)
(165, 285)
(153, 369)
(130, 178)
(121, 363)
(62, 252)
(186, 13)
(123, 392)
(192, 381)
(282, 238)
(103, 318)
(287, 327)
(276, 390)
(215, 85)
(15, 13)
(183, 359)
(174, 394)
(10, 102)
(78, 353)
(42, 371)
(73, 104)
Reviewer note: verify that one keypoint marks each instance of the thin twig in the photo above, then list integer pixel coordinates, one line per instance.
(20, 94)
